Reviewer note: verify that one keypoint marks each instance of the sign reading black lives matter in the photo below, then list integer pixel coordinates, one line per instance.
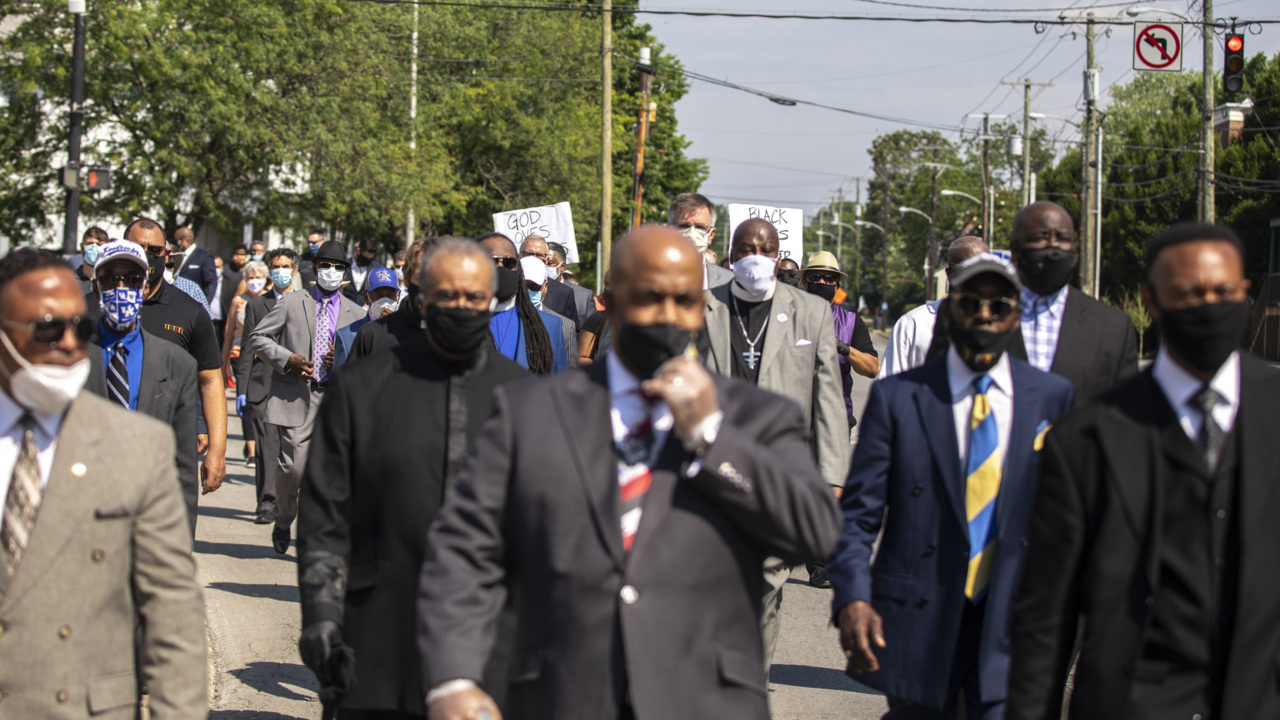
(788, 221)
(1157, 47)
(551, 222)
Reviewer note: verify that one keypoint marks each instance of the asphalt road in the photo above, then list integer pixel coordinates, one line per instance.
(251, 596)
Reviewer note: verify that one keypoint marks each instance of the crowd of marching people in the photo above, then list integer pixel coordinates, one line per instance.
(514, 497)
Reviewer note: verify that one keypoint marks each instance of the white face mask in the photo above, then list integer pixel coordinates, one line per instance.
(701, 240)
(44, 389)
(375, 310)
(756, 273)
(255, 285)
(329, 279)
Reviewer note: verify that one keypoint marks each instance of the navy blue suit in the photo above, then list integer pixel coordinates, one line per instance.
(907, 458)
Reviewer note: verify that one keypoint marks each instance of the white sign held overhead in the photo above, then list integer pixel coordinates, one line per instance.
(553, 222)
(1157, 46)
(789, 221)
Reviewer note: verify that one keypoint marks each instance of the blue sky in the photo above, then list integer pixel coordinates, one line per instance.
(932, 72)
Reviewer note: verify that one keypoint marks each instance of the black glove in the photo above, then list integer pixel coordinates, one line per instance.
(331, 659)
(842, 349)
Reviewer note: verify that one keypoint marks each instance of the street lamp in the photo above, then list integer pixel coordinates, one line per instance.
(904, 210)
(928, 251)
(1134, 12)
(961, 194)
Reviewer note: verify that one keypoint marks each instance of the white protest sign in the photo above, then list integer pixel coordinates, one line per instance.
(789, 221)
(553, 222)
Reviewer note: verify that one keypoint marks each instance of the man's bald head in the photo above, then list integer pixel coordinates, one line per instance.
(1041, 221)
(184, 237)
(756, 236)
(963, 248)
(656, 277)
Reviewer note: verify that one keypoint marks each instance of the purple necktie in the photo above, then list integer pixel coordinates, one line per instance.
(324, 340)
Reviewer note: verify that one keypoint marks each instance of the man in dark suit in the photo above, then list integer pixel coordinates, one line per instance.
(197, 263)
(1065, 331)
(557, 298)
(358, 271)
(1154, 527)
(364, 511)
(229, 280)
(137, 370)
(632, 548)
(253, 381)
(583, 299)
(952, 448)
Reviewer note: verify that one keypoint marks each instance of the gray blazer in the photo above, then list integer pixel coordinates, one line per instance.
(167, 392)
(110, 554)
(799, 363)
(585, 301)
(290, 328)
(717, 276)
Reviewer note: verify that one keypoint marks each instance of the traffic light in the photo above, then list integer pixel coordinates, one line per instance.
(1233, 64)
(95, 179)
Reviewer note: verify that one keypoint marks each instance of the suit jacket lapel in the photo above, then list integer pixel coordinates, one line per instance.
(779, 335)
(155, 373)
(64, 506)
(1259, 395)
(309, 312)
(717, 318)
(1073, 328)
(933, 402)
(597, 469)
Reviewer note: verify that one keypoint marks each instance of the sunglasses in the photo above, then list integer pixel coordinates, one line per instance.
(155, 250)
(509, 263)
(132, 280)
(970, 305)
(49, 330)
(327, 265)
(823, 278)
(788, 273)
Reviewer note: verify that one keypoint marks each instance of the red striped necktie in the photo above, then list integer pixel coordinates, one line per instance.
(634, 474)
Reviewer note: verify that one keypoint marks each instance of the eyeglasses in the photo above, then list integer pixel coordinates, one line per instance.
(788, 273)
(700, 226)
(509, 263)
(822, 278)
(971, 305)
(49, 330)
(329, 265)
(155, 250)
(132, 280)
(540, 256)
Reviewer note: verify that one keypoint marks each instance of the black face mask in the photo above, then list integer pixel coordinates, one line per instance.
(1205, 335)
(155, 270)
(979, 348)
(826, 292)
(362, 261)
(646, 347)
(508, 284)
(457, 331)
(1046, 270)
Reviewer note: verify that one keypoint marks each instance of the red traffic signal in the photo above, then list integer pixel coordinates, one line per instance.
(95, 179)
(1233, 64)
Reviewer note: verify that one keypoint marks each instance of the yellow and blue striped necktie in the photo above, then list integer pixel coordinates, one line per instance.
(982, 485)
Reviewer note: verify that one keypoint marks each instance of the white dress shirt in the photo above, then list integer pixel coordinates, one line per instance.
(215, 302)
(999, 396)
(910, 340)
(1180, 387)
(626, 406)
(46, 432)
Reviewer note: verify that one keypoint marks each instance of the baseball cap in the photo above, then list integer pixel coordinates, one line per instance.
(535, 271)
(381, 277)
(984, 263)
(122, 250)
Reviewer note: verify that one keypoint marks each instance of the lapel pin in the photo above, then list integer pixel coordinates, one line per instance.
(78, 469)
(782, 317)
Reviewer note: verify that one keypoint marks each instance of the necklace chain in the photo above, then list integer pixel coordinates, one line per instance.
(751, 355)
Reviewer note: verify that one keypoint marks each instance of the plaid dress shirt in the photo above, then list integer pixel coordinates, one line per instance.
(1041, 323)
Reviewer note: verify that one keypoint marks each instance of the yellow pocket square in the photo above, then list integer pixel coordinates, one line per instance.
(1041, 431)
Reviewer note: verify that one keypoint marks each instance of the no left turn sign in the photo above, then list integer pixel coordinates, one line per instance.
(1157, 46)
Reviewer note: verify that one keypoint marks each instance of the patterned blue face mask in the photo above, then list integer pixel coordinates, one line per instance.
(120, 308)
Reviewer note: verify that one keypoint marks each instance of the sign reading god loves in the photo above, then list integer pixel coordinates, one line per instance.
(788, 221)
(553, 222)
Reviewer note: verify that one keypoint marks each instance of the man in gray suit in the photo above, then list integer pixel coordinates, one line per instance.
(781, 339)
(94, 541)
(695, 217)
(296, 340)
(137, 370)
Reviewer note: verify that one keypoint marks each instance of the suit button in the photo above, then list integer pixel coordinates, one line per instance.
(629, 595)
(64, 632)
(97, 555)
(61, 696)
(1150, 601)
(1025, 542)
(931, 549)
(922, 601)
(917, 490)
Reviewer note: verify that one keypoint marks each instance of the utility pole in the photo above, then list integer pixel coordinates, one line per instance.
(840, 225)
(642, 135)
(1087, 159)
(822, 229)
(71, 178)
(986, 177)
(1026, 134)
(857, 234)
(931, 249)
(606, 141)
(411, 223)
(1207, 140)
(884, 255)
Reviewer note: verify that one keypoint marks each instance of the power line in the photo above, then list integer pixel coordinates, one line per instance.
(990, 10)
(776, 167)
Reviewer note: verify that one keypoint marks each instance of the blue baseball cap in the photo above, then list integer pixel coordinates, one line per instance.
(381, 277)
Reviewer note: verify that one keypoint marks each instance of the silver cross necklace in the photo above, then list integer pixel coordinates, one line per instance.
(751, 355)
